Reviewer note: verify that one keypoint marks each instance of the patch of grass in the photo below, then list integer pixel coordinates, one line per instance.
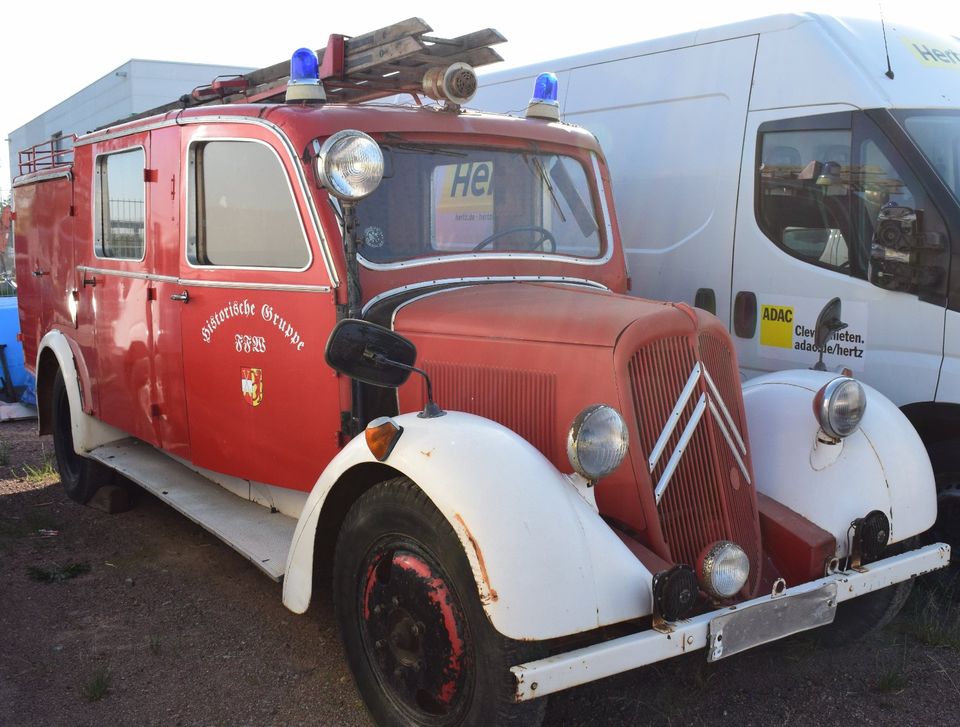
(155, 645)
(95, 687)
(42, 472)
(4, 452)
(57, 574)
(933, 613)
(892, 681)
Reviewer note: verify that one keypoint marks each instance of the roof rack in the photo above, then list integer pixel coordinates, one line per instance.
(53, 152)
(384, 62)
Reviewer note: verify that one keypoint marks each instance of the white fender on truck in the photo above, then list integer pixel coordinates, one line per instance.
(88, 432)
(882, 466)
(545, 562)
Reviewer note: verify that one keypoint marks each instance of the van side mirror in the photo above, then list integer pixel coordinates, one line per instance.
(903, 255)
(370, 353)
(828, 323)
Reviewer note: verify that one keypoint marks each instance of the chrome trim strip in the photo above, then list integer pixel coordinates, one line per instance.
(726, 412)
(483, 279)
(393, 317)
(681, 448)
(187, 282)
(45, 176)
(726, 435)
(674, 417)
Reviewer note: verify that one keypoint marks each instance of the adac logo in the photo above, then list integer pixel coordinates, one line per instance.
(251, 384)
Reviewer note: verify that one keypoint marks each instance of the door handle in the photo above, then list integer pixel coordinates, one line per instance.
(183, 297)
(39, 273)
(745, 314)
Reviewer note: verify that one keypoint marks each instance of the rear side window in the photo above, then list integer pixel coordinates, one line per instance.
(119, 203)
(242, 210)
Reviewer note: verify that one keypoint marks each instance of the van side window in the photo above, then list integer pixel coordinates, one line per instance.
(242, 212)
(119, 210)
(804, 195)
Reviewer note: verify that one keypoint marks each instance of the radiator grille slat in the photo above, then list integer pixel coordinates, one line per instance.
(708, 499)
(524, 401)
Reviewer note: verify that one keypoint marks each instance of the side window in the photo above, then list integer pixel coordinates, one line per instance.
(804, 195)
(119, 208)
(242, 210)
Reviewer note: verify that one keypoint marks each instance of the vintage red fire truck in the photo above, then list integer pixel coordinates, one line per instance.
(392, 342)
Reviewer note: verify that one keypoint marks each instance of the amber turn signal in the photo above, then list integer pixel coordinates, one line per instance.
(382, 436)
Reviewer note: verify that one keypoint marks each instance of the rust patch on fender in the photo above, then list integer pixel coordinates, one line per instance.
(492, 593)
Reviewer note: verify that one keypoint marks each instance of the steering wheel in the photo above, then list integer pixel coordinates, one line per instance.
(544, 236)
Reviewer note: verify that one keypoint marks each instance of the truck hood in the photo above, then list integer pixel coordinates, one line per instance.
(543, 312)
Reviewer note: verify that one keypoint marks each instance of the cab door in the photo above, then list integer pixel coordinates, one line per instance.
(256, 308)
(811, 192)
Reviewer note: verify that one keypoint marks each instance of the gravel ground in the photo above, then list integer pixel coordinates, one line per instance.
(161, 624)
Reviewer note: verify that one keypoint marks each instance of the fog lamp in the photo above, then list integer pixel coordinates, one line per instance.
(597, 441)
(839, 407)
(349, 165)
(674, 592)
(871, 535)
(723, 569)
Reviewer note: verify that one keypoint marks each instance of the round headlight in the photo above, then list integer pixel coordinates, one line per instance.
(350, 165)
(722, 569)
(597, 441)
(839, 407)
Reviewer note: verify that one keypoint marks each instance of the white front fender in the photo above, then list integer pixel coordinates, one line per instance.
(882, 466)
(545, 563)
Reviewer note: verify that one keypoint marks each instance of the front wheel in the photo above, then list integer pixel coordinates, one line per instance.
(421, 649)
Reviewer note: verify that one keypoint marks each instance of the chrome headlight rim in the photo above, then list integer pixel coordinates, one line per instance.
(715, 556)
(332, 177)
(579, 441)
(826, 401)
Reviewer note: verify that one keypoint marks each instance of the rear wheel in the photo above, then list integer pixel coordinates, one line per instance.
(421, 649)
(81, 477)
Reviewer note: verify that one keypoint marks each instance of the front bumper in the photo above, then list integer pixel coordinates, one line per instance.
(744, 625)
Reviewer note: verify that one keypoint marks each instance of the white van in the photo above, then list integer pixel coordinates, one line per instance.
(764, 167)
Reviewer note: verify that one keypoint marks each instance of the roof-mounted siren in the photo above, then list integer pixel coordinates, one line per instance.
(456, 84)
(544, 104)
(304, 83)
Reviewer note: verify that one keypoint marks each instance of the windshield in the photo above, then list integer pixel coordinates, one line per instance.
(937, 133)
(437, 201)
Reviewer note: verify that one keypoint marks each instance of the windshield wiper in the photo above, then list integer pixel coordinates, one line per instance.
(546, 181)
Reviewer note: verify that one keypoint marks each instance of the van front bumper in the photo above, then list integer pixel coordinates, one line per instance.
(728, 630)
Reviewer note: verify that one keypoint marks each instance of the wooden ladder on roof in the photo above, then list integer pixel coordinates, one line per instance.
(384, 62)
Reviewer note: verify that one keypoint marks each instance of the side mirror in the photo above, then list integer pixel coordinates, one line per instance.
(828, 323)
(370, 353)
(903, 255)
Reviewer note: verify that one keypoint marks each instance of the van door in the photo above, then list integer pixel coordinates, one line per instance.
(811, 192)
(256, 308)
(118, 282)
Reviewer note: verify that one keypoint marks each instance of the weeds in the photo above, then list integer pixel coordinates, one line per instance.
(155, 644)
(934, 612)
(4, 452)
(96, 685)
(41, 472)
(57, 574)
(892, 681)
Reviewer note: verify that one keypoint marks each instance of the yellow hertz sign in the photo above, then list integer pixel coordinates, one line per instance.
(776, 326)
(934, 56)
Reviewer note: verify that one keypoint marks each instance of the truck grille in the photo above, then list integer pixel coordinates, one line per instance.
(706, 485)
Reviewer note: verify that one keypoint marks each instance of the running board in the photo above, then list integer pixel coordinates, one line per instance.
(261, 536)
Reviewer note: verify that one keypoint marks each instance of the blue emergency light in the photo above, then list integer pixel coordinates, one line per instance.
(544, 104)
(304, 83)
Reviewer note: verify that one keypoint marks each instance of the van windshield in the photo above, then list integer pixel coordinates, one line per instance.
(937, 133)
(439, 201)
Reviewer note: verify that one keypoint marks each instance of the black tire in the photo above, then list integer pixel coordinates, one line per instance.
(419, 645)
(81, 477)
(945, 458)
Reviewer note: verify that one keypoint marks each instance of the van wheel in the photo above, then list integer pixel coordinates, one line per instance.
(419, 645)
(81, 477)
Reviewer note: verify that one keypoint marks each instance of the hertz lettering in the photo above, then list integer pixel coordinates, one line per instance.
(932, 56)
